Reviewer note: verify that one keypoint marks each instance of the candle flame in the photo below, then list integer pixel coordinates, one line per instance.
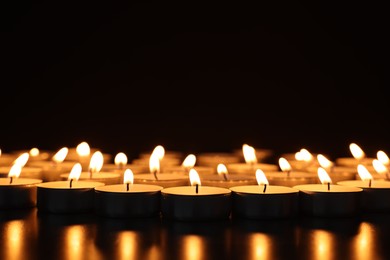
(261, 178)
(221, 169)
(96, 162)
(128, 176)
(75, 172)
(22, 159)
(194, 177)
(189, 161)
(324, 162)
(120, 159)
(356, 151)
(364, 174)
(60, 155)
(154, 163)
(249, 154)
(323, 176)
(303, 155)
(379, 166)
(83, 149)
(382, 157)
(159, 151)
(34, 152)
(15, 171)
(284, 164)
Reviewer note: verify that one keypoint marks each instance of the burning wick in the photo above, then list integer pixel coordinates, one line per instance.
(127, 186)
(90, 173)
(155, 175)
(328, 186)
(265, 187)
(369, 183)
(70, 183)
(225, 177)
(196, 188)
(11, 179)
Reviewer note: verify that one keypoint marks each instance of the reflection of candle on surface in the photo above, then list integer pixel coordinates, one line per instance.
(128, 199)
(359, 157)
(365, 244)
(376, 193)
(196, 202)
(17, 192)
(289, 177)
(155, 177)
(263, 201)
(327, 199)
(251, 165)
(70, 196)
(225, 180)
(194, 247)
(94, 172)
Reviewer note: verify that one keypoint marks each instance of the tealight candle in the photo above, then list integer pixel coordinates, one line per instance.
(264, 201)
(376, 193)
(27, 171)
(195, 202)
(261, 154)
(71, 196)
(164, 160)
(288, 177)
(82, 153)
(225, 180)
(327, 199)
(128, 199)
(302, 160)
(35, 154)
(95, 173)
(6, 159)
(359, 157)
(336, 173)
(250, 165)
(155, 177)
(187, 164)
(17, 193)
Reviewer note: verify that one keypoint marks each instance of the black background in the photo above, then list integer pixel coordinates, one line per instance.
(195, 76)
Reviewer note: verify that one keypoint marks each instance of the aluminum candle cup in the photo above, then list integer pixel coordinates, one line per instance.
(280, 178)
(264, 202)
(163, 179)
(140, 200)
(105, 177)
(317, 200)
(233, 180)
(20, 193)
(58, 197)
(375, 197)
(250, 169)
(183, 203)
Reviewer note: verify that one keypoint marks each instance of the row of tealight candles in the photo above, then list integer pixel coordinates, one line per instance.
(210, 186)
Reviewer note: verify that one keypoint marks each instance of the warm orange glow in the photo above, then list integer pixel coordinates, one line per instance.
(364, 174)
(189, 161)
(249, 154)
(120, 159)
(15, 171)
(356, 151)
(127, 244)
(194, 177)
(284, 164)
(303, 155)
(22, 159)
(60, 155)
(324, 162)
(260, 177)
(75, 172)
(128, 177)
(159, 151)
(96, 162)
(34, 152)
(260, 246)
(83, 149)
(221, 169)
(323, 245)
(382, 157)
(323, 176)
(193, 246)
(15, 234)
(154, 163)
(379, 167)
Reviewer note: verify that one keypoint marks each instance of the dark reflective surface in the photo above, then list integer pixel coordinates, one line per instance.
(28, 234)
